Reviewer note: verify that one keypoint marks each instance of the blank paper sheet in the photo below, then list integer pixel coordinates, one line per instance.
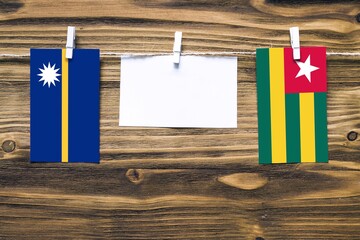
(200, 92)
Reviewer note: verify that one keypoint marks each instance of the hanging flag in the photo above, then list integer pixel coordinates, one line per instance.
(292, 105)
(64, 105)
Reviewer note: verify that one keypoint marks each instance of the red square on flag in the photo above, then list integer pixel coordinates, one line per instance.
(307, 74)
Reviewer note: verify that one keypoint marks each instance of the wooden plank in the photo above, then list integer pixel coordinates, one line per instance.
(215, 26)
(188, 147)
(179, 183)
(282, 202)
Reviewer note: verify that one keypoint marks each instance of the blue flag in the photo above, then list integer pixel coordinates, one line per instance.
(64, 106)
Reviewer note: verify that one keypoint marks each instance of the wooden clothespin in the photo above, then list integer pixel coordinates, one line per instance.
(177, 47)
(295, 42)
(70, 43)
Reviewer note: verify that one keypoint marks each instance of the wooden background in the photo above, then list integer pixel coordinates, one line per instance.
(179, 183)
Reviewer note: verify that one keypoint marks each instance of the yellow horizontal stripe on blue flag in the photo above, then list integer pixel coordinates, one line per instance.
(64, 108)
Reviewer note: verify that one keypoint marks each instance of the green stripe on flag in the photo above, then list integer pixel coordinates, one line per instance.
(293, 154)
(321, 138)
(263, 94)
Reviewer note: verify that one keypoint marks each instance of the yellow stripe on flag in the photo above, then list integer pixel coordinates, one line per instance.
(64, 108)
(277, 105)
(307, 127)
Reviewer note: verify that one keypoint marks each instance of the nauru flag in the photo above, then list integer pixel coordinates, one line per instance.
(291, 97)
(64, 105)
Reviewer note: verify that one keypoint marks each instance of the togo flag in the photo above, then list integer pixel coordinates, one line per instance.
(64, 105)
(292, 105)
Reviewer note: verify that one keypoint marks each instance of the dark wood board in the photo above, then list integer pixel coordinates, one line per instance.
(168, 183)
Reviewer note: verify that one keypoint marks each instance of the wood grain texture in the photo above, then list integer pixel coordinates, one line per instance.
(168, 183)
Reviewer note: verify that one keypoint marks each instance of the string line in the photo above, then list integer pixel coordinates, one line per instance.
(129, 54)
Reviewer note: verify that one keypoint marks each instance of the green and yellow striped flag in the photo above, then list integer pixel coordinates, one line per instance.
(292, 105)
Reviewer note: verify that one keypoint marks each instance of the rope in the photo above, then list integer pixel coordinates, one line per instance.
(127, 54)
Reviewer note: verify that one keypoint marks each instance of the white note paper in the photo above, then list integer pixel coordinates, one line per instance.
(200, 92)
